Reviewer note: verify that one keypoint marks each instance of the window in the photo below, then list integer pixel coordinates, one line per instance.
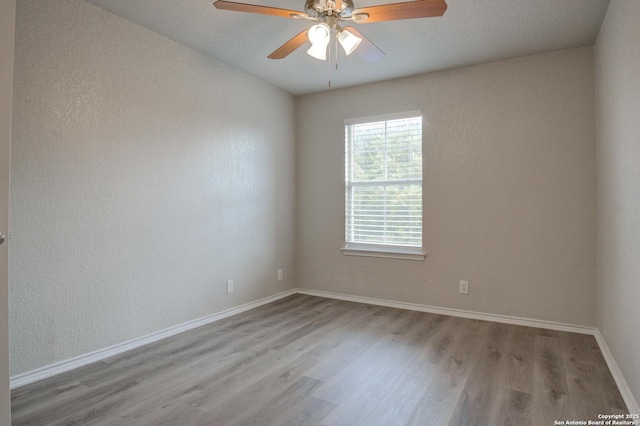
(383, 186)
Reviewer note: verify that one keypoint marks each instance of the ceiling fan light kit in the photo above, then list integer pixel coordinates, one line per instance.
(329, 13)
(320, 36)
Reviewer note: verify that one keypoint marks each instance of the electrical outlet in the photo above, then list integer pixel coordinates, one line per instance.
(464, 287)
(229, 286)
(279, 274)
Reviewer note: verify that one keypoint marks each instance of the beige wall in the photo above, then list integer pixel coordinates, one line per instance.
(509, 189)
(7, 20)
(618, 111)
(144, 176)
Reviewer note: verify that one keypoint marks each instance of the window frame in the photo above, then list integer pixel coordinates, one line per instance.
(375, 249)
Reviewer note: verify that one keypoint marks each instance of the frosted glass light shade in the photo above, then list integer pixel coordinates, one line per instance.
(318, 51)
(348, 41)
(319, 34)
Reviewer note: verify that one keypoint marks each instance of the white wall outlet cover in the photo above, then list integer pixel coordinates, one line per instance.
(229, 286)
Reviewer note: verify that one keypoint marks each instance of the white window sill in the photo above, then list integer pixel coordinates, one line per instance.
(391, 252)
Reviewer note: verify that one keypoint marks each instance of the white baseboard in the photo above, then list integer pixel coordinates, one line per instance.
(82, 360)
(86, 359)
(506, 319)
(632, 404)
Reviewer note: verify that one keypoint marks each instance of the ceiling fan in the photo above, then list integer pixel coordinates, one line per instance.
(329, 14)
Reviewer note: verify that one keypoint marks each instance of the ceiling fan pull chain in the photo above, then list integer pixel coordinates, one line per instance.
(336, 46)
(329, 74)
(329, 65)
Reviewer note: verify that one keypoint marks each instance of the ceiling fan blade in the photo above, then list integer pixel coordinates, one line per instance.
(290, 46)
(254, 8)
(406, 10)
(366, 49)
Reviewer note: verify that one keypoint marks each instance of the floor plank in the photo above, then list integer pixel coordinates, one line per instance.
(307, 360)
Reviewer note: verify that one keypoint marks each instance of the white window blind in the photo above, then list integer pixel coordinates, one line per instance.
(383, 185)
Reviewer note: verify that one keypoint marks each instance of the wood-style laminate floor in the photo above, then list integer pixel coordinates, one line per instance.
(315, 361)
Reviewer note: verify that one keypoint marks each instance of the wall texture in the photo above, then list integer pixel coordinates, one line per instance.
(509, 189)
(7, 24)
(144, 176)
(618, 108)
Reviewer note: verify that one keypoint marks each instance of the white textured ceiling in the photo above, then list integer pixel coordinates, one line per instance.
(470, 32)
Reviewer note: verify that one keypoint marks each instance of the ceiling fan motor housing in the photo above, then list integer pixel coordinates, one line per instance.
(319, 8)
